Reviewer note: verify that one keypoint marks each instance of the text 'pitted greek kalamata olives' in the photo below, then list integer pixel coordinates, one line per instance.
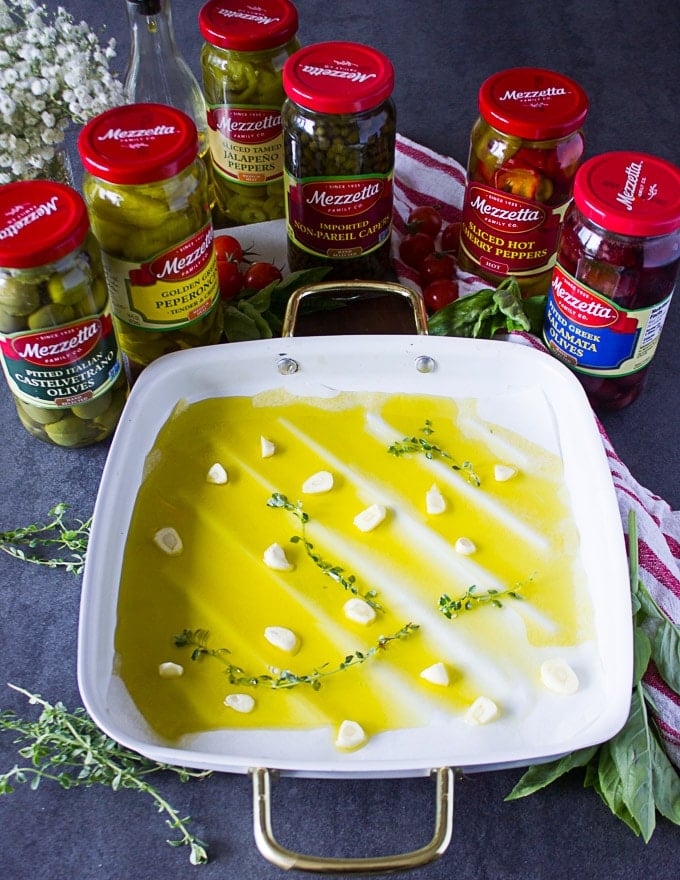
(339, 130)
(147, 195)
(617, 266)
(246, 47)
(525, 148)
(57, 344)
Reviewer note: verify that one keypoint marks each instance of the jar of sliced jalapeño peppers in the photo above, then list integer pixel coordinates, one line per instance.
(525, 148)
(617, 266)
(339, 130)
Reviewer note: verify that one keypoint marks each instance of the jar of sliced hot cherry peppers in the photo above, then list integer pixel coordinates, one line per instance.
(617, 266)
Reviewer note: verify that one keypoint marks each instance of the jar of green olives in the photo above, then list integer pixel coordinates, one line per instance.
(339, 131)
(242, 59)
(147, 195)
(57, 343)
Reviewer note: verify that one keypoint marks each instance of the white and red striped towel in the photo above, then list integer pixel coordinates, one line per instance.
(423, 177)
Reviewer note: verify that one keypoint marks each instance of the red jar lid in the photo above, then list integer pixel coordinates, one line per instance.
(338, 77)
(41, 221)
(248, 27)
(138, 143)
(629, 193)
(532, 103)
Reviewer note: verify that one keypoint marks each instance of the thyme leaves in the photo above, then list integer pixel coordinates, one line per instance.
(44, 543)
(422, 445)
(472, 599)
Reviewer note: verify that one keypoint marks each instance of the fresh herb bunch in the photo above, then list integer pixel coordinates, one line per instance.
(331, 570)
(631, 772)
(68, 748)
(36, 542)
(422, 445)
(471, 599)
(198, 640)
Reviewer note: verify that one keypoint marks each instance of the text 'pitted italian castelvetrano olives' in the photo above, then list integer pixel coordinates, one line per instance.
(57, 344)
(147, 196)
(525, 148)
(339, 130)
(242, 59)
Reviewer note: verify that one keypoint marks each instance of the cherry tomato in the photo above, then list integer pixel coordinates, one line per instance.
(228, 248)
(426, 219)
(414, 248)
(259, 275)
(230, 278)
(451, 237)
(436, 266)
(440, 293)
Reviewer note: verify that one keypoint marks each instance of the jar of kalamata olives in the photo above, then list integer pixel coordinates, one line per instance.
(246, 47)
(147, 195)
(525, 148)
(57, 344)
(617, 266)
(339, 130)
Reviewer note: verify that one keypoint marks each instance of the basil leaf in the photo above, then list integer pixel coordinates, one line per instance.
(541, 775)
(666, 784)
(239, 327)
(609, 785)
(482, 314)
(666, 653)
(250, 311)
(642, 648)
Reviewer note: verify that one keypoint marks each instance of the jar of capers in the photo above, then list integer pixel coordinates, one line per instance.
(242, 59)
(57, 344)
(339, 130)
(147, 195)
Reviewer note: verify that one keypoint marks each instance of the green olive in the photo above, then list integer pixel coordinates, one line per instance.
(71, 431)
(94, 302)
(11, 323)
(92, 408)
(66, 288)
(39, 414)
(51, 315)
(18, 297)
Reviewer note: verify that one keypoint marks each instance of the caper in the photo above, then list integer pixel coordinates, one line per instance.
(18, 297)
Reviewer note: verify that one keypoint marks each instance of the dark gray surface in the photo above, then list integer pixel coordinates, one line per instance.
(626, 55)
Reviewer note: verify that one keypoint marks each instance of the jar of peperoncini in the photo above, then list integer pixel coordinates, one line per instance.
(147, 195)
(339, 132)
(525, 148)
(57, 344)
(246, 47)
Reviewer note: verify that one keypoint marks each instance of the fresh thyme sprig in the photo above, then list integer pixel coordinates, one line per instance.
(471, 599)
(34, 543)
(421, 445)
(68, 748)
(284, 678)
(331, 570)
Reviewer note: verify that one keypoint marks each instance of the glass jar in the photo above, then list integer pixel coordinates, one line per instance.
(57, 344)
(147, 195)
(339, 130)
(525, 148)
(617, 266)
(246, 47)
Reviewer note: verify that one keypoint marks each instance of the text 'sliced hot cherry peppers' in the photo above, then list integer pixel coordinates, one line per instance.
(617, 266)
(525, 148)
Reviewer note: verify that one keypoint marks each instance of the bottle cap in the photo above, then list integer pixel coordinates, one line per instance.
(629, 193)
(246, 27)
(338, 77)
(138, 143)
(41, 221)
(532, 103)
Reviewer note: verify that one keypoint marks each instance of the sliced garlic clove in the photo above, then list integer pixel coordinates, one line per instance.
(370, 518)
(170, 670)
(283, 638)
(217, 475)
(267, 448)
(503, 472)
(350, 735)
(318, 483)
(436, 674)
(465, 547)
(169, 541)
(359, 611)
(243, 703)
(275, 558)
(435, 502)
(482, 711)
(558, 676)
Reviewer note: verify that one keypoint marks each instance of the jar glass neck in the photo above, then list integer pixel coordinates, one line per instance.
(150, 22)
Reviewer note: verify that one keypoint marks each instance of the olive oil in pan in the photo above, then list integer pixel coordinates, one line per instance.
(524, 543)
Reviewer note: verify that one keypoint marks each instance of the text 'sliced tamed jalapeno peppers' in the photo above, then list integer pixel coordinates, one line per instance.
(525, 148)
(339, 130)
(245, 50)
(57, 344)
(617, 266)
(147, 195)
